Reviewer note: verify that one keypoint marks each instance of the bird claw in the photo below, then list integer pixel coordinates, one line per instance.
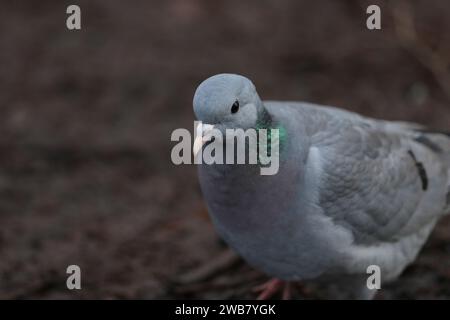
(271, 287)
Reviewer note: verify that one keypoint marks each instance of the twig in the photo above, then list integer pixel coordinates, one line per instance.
(406, 33)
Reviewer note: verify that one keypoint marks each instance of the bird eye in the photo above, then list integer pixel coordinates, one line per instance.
(235, 107)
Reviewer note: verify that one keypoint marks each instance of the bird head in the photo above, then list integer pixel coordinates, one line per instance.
(226, 101)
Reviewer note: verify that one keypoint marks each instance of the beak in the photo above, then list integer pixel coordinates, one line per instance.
(204, 134)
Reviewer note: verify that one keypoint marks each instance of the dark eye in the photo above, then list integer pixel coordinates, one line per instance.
(235, 107)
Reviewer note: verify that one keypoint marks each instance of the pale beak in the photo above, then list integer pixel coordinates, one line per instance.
(204, 134)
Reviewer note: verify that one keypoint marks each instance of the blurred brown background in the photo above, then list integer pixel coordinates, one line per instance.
(86, 117)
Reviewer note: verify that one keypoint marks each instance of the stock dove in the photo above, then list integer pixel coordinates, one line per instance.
(350, 191)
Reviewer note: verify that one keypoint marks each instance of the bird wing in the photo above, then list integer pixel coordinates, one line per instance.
(377, 178)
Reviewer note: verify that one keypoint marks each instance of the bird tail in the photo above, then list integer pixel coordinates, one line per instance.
(439, 141)
(447, 209)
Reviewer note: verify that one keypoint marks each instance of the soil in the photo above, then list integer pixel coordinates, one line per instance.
(86, 117)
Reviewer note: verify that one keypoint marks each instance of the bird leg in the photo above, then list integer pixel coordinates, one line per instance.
(286, 291)
(271, 287)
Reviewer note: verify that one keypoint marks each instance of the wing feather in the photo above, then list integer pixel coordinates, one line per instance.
(371, 181)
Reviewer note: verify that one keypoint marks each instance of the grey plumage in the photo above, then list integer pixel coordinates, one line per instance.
(350, 192)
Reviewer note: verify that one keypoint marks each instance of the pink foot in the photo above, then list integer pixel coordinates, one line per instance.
(287, 291)
(271, 287)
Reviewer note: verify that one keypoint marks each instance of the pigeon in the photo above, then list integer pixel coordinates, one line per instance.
(351, 191)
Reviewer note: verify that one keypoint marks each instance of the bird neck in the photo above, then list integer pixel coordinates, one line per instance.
(266, 121)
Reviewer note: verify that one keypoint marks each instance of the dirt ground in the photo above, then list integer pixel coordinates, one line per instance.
(86, 117)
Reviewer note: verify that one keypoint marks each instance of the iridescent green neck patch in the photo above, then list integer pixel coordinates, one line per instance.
(276, 135)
